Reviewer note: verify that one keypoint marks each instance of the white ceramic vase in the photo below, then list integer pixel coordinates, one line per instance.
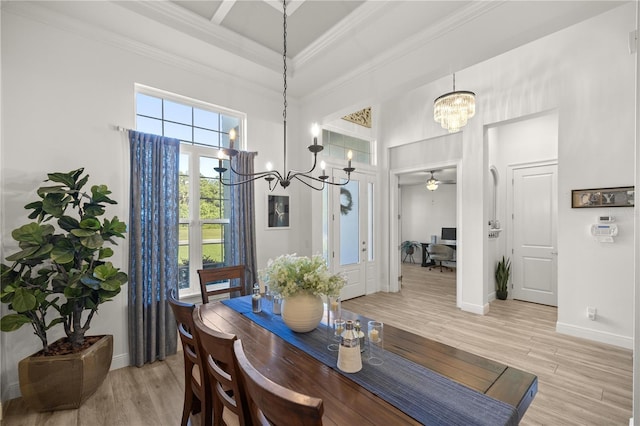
(302, 312)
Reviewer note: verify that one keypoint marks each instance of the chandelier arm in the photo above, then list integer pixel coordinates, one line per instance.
(222, 181)
(299, 177)
(258, 175)
(298, 172)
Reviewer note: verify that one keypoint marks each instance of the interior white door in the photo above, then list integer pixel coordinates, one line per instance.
(352, 239)
(535, 211)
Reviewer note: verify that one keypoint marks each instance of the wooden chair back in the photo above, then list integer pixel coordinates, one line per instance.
(217, 354)
(220, 274)
(272, 404)
(196, 384)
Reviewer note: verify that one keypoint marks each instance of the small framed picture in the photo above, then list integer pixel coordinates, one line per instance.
(278, 211)
(623, 196)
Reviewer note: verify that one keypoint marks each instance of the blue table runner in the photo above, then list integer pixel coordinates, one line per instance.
(425, 395)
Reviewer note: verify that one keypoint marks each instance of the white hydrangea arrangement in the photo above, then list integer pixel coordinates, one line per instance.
(290, 274)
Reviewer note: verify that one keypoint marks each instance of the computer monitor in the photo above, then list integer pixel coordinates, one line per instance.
(448, 234)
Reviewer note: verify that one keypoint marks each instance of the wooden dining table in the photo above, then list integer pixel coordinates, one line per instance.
(346, 402)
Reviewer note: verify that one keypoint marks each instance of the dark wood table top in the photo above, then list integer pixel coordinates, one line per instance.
(346, 402)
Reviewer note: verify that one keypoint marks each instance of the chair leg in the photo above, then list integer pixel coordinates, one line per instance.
(188, 398)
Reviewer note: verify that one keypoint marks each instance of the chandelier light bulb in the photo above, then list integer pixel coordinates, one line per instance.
(269, 166)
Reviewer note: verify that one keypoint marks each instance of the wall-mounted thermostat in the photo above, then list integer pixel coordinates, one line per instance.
(606, 219)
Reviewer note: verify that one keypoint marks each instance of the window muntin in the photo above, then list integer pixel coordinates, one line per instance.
(337, 145)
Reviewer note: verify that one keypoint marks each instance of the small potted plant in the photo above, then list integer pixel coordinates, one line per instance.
(301, 280)
(409, 248)
(503, 271)
(61, 270)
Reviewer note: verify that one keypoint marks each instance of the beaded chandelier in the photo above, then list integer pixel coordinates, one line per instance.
(453, 109)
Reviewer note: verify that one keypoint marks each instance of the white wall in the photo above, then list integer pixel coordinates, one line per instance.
(585, 73)
(424, 213)
(63, 90)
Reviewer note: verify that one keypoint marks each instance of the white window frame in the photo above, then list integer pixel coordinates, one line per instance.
(195, 153)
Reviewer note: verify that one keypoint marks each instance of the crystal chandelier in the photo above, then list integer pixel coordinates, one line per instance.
(453, 109)
(432, 183)
(273, 177)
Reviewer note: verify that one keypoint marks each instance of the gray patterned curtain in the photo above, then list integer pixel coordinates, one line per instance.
(153, 246)
(243, 229)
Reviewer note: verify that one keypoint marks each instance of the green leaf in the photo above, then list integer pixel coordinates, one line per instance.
(110, 285)
(93, 209)
(105, 272)
(68, 223)
(58, 189)
(13, 322)
(114, 227)
(55, 204)
(32, 233)
(68, 179)
(72, 292)
(99, 194)
(62, 254)
(93, 242)
(56, 321)
(22, 254)
(23, 300)
(105, 252)
(90, 223)
(82, 233)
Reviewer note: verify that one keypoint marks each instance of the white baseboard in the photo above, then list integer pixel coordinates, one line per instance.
(119, 361)
(475, 309)
(13, 389)
(598, 336)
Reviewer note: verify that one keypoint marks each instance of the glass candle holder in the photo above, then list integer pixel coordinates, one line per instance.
(375, 336)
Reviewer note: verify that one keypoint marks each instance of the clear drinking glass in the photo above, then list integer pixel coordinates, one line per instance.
(336, 335)
(333, 313)
(375, 336)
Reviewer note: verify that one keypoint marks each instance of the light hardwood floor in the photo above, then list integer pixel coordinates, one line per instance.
(580, 382)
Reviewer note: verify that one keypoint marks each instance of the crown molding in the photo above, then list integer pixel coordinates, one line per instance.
(411, 44)
(211, 32)
(60, 21)
(339, 31)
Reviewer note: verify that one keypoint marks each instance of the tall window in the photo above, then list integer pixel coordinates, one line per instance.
(204, 201)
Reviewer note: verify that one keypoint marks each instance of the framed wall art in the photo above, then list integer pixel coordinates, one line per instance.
(278, 211)
(623, 196)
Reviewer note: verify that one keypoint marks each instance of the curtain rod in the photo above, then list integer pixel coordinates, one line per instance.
(124, 129)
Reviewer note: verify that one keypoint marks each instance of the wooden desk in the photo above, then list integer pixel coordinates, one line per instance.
(346, 402)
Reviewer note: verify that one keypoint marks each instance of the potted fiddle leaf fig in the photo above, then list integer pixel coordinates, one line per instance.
(503, 270)
(61, 271)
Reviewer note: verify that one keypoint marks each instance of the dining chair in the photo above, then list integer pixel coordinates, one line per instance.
(218, 358)
(269, 403)
(223, 273)
(440, 253)
(196, 382)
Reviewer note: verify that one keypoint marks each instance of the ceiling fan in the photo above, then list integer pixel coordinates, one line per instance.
(432, 183)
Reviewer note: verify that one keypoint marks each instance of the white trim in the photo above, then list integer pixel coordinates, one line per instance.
(394, 238)
(595, 335)
(475, 309)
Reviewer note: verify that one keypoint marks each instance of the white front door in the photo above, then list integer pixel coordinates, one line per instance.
(352, 247)
(535, 211)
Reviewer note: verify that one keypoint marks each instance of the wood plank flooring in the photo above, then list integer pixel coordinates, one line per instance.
(580, 382)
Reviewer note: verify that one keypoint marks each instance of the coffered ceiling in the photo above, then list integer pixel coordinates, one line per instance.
(330, 41)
